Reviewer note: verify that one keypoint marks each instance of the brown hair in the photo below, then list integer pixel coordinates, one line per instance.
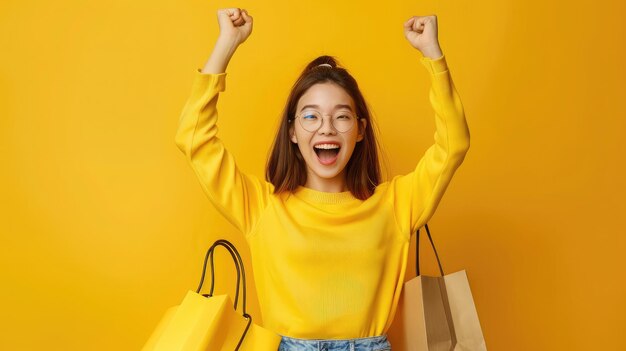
(286, 168)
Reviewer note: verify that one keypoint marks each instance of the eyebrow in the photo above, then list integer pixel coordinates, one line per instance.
(336, 106)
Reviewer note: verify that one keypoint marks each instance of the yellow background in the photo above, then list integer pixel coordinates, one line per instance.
(104, 225)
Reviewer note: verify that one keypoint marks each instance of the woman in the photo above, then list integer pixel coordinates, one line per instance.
(329, 241)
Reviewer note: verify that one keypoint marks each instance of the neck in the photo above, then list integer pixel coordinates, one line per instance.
(327, 185)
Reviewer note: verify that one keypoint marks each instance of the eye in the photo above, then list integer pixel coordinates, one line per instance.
(345, 116)
(309, 116)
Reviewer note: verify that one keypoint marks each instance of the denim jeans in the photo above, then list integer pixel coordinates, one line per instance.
(372, 343)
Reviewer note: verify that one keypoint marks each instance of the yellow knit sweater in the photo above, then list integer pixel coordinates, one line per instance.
(326, 265)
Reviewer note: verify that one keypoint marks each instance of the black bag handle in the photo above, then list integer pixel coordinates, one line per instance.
(240, 274)
(238, 265)
(417, 251)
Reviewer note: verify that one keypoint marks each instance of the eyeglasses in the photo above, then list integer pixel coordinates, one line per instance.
(312, 120)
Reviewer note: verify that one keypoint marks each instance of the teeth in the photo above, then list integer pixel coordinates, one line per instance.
(327, 146)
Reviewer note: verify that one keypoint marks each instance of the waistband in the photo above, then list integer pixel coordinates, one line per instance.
(371, 343)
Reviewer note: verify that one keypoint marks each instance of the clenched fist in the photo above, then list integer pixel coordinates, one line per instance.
(421, 32)
(235, 24)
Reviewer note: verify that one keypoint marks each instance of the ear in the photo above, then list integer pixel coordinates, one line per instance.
(292, 134)
(361, 129)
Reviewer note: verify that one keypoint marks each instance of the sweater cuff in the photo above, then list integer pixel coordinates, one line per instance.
(215, 81)
(435, 65)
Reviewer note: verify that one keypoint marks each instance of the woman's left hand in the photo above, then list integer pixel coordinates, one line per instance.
(421, 32)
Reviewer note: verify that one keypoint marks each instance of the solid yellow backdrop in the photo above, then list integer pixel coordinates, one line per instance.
(104, 225)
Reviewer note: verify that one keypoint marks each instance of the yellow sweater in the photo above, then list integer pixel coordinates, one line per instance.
(326, 265)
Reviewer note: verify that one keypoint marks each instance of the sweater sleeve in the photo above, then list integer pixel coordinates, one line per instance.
(418, 193)
(238, 196)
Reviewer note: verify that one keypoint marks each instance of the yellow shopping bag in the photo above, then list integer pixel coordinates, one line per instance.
(207, 322)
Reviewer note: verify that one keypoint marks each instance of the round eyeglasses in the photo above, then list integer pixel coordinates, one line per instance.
(312, 120)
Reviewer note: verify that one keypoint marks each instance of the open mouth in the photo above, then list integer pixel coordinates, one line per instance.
(327, 153)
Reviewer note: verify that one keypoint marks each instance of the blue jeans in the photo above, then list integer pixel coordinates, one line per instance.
(372, 343)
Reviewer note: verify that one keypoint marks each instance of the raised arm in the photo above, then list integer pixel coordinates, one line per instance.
(417, 194)
(235, 28)
(238, 196)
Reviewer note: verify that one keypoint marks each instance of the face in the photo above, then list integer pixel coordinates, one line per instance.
(324, 166)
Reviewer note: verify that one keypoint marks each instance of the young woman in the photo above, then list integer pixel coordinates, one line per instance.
(329, 240)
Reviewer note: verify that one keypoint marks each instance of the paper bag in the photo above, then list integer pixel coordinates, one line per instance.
(207, 322)
(436, 313)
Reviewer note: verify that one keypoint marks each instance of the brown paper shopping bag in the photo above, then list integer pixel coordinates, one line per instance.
(207, 322)
(436, 313)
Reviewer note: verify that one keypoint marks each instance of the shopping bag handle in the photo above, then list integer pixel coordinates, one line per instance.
(241, 274)
(417, 251)
(240, 271)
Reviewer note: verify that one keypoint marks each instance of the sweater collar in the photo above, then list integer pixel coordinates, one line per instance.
(324, 197)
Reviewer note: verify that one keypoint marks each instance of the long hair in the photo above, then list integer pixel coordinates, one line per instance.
(286, 168)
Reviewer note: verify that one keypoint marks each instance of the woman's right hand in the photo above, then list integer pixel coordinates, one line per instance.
(235, 25)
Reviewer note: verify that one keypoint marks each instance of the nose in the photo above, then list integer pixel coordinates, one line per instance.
(326, 127)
